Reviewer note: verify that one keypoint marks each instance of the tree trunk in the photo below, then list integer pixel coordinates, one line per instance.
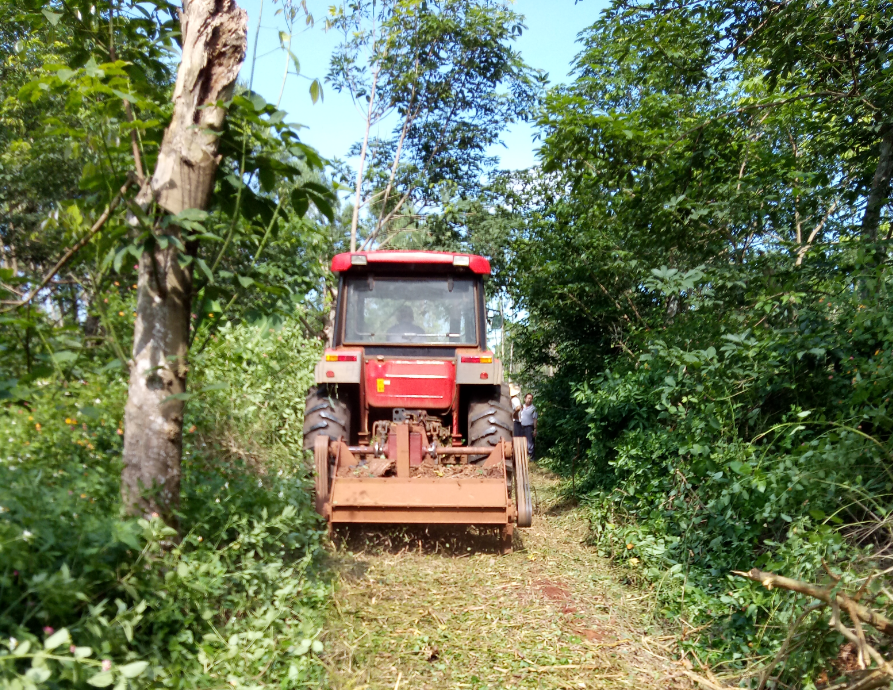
(355, 220)
(214, 42)
(880, 187)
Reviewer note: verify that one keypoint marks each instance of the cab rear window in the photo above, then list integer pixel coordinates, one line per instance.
(418, 311)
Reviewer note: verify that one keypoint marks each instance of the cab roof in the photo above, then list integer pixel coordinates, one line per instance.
(347, 260)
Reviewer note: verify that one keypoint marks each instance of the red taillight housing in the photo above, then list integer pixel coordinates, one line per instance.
(477, 359)
(340, 366)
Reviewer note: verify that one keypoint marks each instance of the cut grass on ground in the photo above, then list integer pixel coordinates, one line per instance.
(416, 609)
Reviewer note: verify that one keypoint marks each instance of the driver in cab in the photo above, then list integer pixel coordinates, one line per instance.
(405, 330)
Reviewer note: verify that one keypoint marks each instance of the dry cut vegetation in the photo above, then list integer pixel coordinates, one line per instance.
(425, 609)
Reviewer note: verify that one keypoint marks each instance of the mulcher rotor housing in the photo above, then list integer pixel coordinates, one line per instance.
(410, 421)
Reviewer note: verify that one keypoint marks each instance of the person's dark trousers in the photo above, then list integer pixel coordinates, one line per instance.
(528, 432)
(519, 430)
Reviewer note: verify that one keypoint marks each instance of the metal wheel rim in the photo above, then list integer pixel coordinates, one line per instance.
(523, 497)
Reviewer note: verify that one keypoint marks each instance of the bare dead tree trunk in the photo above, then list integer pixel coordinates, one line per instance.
(214, 42)
(407, 121)
(880, 187)
(355, 221)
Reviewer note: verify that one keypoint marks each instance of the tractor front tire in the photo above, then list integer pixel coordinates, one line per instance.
(325, 415)
(489, 417)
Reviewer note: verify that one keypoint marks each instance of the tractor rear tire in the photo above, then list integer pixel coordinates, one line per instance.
(489, 417)
(325, 415)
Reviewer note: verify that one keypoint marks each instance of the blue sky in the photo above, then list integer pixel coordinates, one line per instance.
(333, 124)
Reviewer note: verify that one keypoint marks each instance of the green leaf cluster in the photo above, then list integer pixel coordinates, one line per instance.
(89, 596)
(704, 307)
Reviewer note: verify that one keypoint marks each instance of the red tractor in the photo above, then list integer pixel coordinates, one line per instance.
(410, 421)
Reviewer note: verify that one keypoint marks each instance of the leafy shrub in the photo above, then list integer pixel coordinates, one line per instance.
(713, 451)
(90, 595)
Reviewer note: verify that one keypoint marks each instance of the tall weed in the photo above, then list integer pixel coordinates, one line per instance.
(740, 439)
(89, 595)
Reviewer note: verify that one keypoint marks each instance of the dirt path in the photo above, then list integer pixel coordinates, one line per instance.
(422, 611)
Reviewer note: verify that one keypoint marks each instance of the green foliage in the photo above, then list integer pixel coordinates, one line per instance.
(65, 140)
(272, 203)
(448, 71)
(707, 309)
(262, 379)
(234, 600)
(737, 450)
(86, 102)
(88, 595)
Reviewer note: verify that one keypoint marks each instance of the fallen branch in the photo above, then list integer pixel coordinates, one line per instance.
(880, 676)
(700, 680)
(874, 680)
(573, 667)
(97, 226)
(711, 679)
(883, 664)
(864, 614)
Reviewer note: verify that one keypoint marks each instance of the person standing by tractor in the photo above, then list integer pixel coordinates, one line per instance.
(528, 417)
(515, 391)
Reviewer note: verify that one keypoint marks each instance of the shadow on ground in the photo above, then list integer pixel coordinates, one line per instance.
(551, 496)
(442, 540)
(557, 506)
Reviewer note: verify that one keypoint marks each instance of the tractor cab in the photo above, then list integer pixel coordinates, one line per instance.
(408, 391)
(410, 331)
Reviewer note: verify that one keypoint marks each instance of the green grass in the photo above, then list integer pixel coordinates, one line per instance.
(88, 594)
(444, 610)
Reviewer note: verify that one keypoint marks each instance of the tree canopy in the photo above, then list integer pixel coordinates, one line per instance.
(447, 75)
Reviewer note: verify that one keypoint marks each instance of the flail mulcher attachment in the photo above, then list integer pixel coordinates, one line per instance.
(405, 483)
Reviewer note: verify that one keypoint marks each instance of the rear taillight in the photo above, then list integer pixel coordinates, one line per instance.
(478, 359)
(341, 358)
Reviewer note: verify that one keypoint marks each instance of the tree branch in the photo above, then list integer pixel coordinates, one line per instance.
(865, 615)
(752, 106)
(410, 115)
(753, 33)
(880, 187)
(128, 110)
(882, 663)
(97, 226)
(818, 228)
(356, 207)
(403, 199)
